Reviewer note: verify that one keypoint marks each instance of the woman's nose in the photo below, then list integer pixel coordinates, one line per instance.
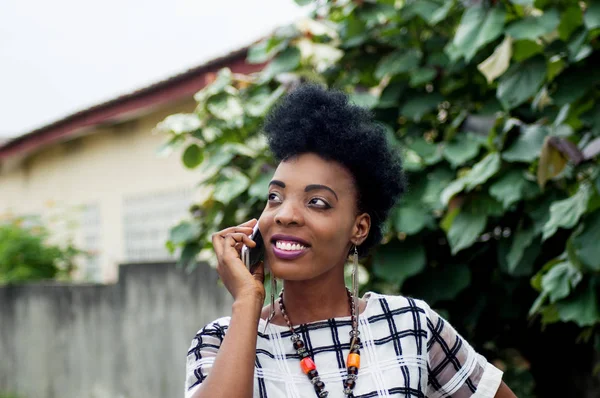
(288, 214)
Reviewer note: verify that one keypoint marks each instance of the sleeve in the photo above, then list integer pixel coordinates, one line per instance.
(202, 353)
(455, 369)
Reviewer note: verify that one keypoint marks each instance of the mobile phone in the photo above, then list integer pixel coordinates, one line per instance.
(252, 256)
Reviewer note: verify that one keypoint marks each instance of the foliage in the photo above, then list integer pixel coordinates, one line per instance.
(494, 107)
(25, 255)
(9, 395)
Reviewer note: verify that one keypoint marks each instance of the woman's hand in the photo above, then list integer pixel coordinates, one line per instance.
(233, 272)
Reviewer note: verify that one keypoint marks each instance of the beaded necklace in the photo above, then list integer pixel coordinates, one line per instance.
(308, 365)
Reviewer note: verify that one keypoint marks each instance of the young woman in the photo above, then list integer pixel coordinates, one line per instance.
(335, 184)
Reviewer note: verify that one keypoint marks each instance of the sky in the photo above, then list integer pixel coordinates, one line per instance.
(61, 56)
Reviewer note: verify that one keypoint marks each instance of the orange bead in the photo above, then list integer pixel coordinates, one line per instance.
(353, 360)
(307, 365)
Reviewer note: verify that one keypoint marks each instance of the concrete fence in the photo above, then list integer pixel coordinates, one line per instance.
(127, 340)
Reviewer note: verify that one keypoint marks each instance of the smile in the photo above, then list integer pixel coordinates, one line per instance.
(288, 249)
(289, 246)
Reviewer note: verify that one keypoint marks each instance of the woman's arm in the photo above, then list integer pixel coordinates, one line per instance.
(232, 374)
(504, 392)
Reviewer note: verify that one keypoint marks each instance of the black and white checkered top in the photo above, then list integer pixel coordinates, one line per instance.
(407, 350)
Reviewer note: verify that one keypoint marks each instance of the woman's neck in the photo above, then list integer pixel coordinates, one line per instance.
(321, 298)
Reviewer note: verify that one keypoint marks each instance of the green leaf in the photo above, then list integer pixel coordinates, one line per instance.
(187, 260)
(364, 99)
(418, 106)
(286, 61)
(462, 149)
(184, 232)
(390, 95)
(570, 20)
(560, 280)
(582, 307)
(226, 107)
(523, 252)
(578, 47)
(441, 283)
(574, 84)
(397, 62)
(260, 103)
(465, 229)
(233, 182)
(551, 163)
(192, 156)
(591, 18)
(397, 261)
(533, 27)
(213, 163)
(479, 25)
(180, 123)
(452, 189)
(411, 218)
(521, 82)
(303, 3)
(431, 11)
(483, 170)
(485, 204)
(566, 213)
(436, 181)
(428, 152)
(260, 186)
(172, 144)
(353, 31)
(524, 49)
(587, 243)
(264, 50)
(223, 80)
(509, 188)
(496, 64)
(411, 161)
(211, 133)
(528, 146)
(422, 75)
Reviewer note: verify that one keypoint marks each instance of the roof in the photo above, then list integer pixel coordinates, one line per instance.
(181, 86)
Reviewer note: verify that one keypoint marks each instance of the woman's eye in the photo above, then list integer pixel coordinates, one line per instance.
(273, 197)
(319, 203)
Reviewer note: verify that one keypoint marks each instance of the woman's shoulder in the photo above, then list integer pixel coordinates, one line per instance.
(397, 304)
(217, 327)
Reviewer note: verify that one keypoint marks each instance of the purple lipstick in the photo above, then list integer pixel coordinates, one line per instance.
(288, 247)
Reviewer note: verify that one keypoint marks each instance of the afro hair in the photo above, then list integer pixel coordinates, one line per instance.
(312, 119)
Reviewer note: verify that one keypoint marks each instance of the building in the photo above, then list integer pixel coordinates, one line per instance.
(95, 176)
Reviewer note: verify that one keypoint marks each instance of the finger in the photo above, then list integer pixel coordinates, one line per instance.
(250, 223)
(233, 239)
(238, 247)
(243, 230)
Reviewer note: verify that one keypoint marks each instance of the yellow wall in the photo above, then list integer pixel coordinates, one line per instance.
(103, 169)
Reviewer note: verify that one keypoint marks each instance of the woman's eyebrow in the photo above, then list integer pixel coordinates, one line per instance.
(319, 186)
(278, 183)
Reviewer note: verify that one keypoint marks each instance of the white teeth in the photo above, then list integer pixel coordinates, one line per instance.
(289, 246)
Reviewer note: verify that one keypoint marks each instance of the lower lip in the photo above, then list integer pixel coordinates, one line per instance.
(288, 254)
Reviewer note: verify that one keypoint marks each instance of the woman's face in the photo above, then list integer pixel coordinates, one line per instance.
(310, 220)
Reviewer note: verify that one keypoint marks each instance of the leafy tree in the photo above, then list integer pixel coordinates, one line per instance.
(494, 107)
(26, 256)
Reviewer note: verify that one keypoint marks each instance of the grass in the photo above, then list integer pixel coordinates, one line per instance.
(9, 395)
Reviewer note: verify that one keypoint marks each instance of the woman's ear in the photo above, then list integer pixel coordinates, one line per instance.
(362, 225)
